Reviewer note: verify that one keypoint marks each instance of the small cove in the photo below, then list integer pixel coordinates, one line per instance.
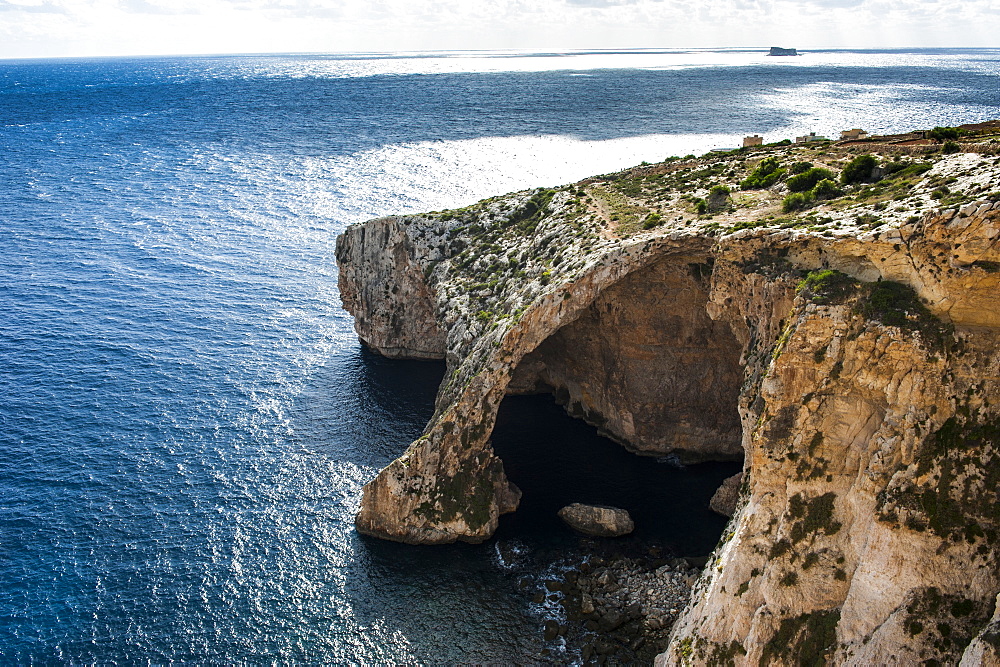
(498, 589)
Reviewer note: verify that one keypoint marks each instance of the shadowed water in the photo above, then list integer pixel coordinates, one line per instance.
(556, 460)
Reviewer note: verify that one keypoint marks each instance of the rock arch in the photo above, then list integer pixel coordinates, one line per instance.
(647, 365)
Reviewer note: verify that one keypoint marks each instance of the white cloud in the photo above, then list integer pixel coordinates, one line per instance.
(599, 3)
(29, 6)
(159, 7)
(119, 27)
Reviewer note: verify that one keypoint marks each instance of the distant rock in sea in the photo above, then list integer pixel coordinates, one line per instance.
(778, 51)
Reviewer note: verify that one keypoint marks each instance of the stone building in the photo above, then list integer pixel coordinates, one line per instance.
(812, 136)
(853, 134)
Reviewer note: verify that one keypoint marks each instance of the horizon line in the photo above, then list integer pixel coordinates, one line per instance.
(522, 52)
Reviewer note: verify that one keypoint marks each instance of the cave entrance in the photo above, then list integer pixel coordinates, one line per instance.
(646, 367)
(556, 460)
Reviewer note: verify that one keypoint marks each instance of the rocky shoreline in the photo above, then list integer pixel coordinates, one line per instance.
(614, 607)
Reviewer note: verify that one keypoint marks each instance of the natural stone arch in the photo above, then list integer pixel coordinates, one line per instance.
(647, 365)
(449, 485)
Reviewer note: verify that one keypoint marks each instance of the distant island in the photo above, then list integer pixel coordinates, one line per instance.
(778, 51)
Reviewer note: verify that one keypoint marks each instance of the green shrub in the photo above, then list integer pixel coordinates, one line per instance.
(828, 286)
(700, 206)
(766, 174)
(893, 304)
(891, 168)
(797, 201)
(808, 640)
(826, 189)
(898, 305)
(652, 220)
(800, 167)
(527, 217)
(858, 170)
(718, 196)
(809, 178)
(950, 147)
(944, 133)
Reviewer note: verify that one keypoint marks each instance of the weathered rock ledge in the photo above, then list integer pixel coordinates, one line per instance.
(850, 353)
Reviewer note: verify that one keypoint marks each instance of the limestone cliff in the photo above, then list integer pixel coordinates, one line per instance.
(848, 352)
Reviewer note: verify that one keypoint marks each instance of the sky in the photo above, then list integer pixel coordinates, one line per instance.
(61, 28)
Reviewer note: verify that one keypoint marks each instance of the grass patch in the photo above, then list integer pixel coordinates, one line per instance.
(828, 287)
(627, 216)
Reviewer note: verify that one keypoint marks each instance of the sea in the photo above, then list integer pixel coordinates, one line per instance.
(186, 415)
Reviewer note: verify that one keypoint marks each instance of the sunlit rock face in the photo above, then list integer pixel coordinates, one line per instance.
(390, 289)
(855, 364)
(868, 528)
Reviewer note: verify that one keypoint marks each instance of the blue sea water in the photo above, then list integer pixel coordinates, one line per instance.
(186, 418)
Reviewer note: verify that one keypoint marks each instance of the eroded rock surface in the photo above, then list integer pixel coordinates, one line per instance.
(647, 365)
(726, 497)
(869, 531)
(850, 352)
(381, 275)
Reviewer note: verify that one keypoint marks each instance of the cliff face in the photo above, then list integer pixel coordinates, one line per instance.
(870, 524)
(852, 359)
(381, 276)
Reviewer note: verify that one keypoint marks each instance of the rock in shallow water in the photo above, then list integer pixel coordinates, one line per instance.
(597, 520)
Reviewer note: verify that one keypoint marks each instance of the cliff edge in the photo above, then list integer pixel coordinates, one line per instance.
(828, 316)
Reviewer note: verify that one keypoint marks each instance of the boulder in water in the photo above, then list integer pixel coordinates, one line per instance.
(597, 520)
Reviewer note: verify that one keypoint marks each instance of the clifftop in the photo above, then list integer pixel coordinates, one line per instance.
(827, 317)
